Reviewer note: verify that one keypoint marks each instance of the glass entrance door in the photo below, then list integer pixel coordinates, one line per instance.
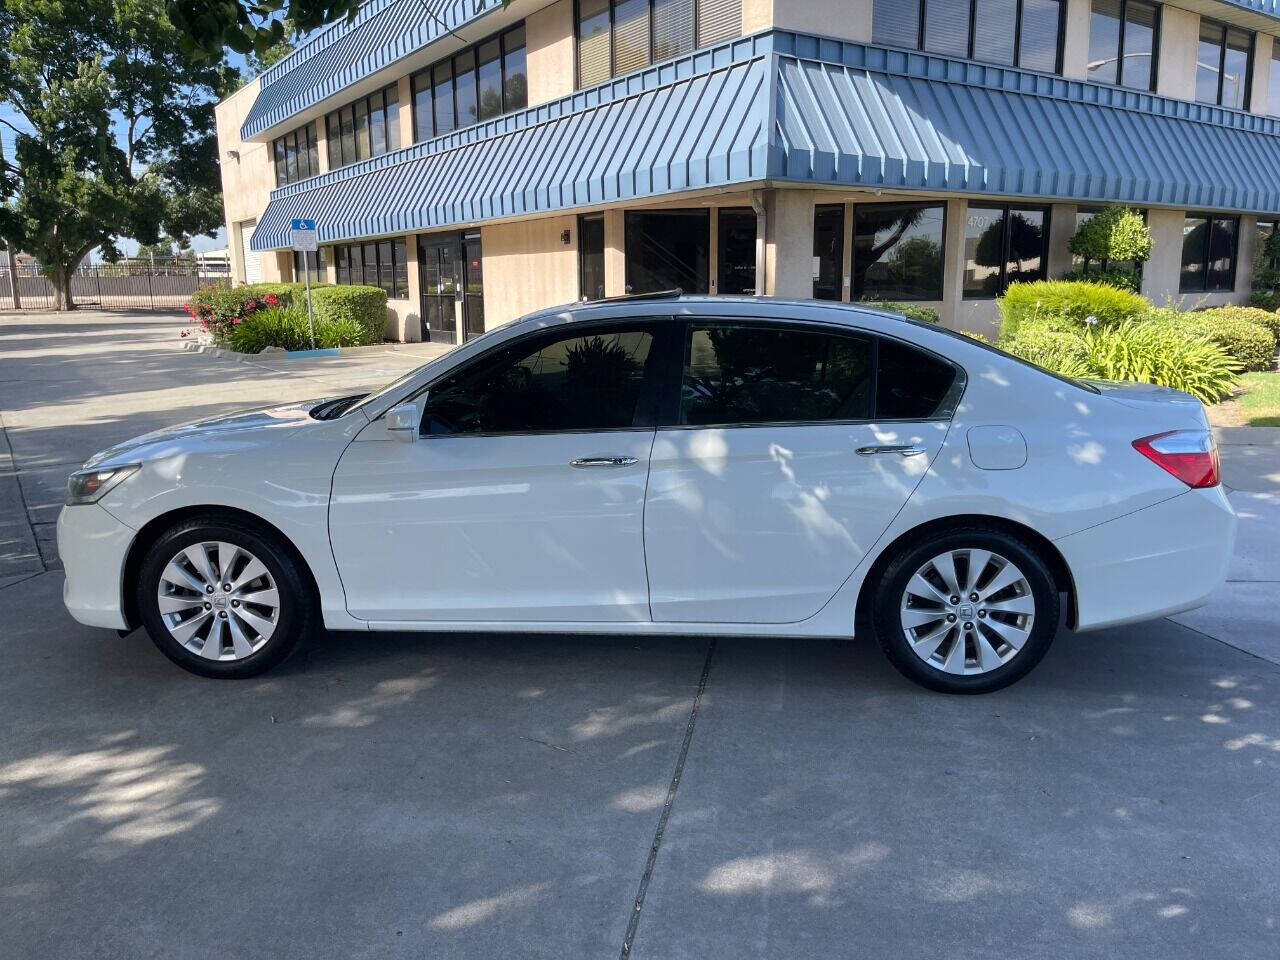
(736, 271)
(438, 287)
(472, 287)
(668, 250)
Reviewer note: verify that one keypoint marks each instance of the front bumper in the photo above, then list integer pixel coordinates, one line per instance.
(1161, 560)
(93, 545)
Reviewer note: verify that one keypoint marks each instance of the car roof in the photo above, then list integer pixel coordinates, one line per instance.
(677, 305)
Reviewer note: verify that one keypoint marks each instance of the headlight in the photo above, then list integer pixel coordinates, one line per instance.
(90, 486)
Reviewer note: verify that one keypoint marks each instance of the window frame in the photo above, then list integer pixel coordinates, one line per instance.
(333, 127)
(1226, 28)
(1157, 31)
(343, 263)
(1017, 37)
(655, 378)
(299, 146)
(854, 295)
(424, 76)
(671, 415)
(1006, 238)
(613, 66)
(1211, 219)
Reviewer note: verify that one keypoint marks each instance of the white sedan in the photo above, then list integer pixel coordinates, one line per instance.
(668, 465)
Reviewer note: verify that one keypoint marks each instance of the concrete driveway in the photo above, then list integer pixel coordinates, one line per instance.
(563, 797)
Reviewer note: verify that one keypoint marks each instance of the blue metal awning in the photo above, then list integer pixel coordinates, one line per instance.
(704, 130)
(782, 106)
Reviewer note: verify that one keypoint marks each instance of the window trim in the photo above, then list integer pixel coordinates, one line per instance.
(450, 61)
(582, 279)
(1226, 28)
(1157, 32)
(396, 241)
(331, 128)
(854, 295)
(304, 140)
(649, 404)
(1005, 239)
(1210, 218)
(1017, 38)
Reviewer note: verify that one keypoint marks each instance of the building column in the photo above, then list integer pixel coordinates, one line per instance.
(1075, 40)
(789, 244)
(322, 144)
(1160, 274)
(1246, 248)
(1262, 67)
(1176, 64)
(846, 266)
(953, 257)
(1062, 227)
(615, 253)
(404, 90)
(713, 251)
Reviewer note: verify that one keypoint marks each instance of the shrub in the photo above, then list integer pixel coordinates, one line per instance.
(219, 309)
(1267, 300)
(1066, 304)
(286, 294)
(1263, 318)
(1161, 353)
(365, 306)
(1251, 344)
(284, 327)
(1117, 277)
(1114, 234)
(908, 310)
(1060, 351)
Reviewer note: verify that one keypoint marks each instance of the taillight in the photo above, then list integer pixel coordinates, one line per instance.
(1190, 455)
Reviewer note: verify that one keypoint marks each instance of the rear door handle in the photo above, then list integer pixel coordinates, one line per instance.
(905, 449)
(603, 462)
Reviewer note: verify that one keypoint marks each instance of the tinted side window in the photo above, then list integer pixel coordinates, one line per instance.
(592, 381)
(745, 374)
(911, 384)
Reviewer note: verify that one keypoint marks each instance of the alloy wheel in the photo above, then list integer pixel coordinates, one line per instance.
(967, 611)
(218, 600)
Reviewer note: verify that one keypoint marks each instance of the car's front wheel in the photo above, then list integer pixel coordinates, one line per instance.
(968, 611)
(222, 599)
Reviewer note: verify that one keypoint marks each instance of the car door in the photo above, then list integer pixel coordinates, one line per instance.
(523, 497)
(792, 449)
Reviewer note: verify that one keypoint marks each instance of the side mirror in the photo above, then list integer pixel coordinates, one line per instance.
(403, 421)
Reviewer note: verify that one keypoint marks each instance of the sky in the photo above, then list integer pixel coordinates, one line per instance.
(127, 247)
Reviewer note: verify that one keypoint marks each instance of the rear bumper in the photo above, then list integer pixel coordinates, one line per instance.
(93, 545)
(1161, 560)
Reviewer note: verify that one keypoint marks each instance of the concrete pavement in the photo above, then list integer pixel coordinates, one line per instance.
(473, 796)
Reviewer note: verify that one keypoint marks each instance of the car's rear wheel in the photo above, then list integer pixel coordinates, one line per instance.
(968, 611)
(222, 599)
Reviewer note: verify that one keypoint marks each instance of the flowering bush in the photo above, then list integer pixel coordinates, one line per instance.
(220, 309)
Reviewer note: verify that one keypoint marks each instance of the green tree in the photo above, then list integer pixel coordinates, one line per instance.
(116, 136)
(1115, 234)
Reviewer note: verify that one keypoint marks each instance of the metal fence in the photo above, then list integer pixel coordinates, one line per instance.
(136, 284)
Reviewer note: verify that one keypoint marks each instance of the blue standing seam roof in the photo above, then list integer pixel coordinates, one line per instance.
(344, 54)
(854, 127)
(792, 107)
(707, 130)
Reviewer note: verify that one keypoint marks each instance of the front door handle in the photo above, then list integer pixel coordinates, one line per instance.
(905, 449)
(603, 462)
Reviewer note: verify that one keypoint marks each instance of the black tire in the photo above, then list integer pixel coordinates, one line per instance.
(886, 609)
(296, 611)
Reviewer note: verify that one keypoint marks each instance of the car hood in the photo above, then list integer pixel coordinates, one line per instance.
(281, 421)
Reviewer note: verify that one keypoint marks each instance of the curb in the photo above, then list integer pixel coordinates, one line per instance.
(227, 354)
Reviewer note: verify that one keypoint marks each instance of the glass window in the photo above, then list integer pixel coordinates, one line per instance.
(290, 158)
(422, 128)
(673, 28)
(1025, 32)
(342, 260)
(314, 262)
(386, 268)
(828, 252)
(911, 384)
(595, 63)
(370, 265)
(736, 233)
(313, 153)
(1273, 80)
(718, 20)
(1003, 245)
(490, 79)
(377, 125)
(1222, 65)
(1208, 254)
(464, 74)
(591, 256)
(1104, 40)
(994, 42)
(362, 129)
(1137, 65)
(755, 374)
(348, 135)
(896, 22)
(590, 381)
(668, 250)
(356, 260)
(442, 97)
(282, 173)
(333, 140)
(401, 286)
(393, 118)
(630, 35)
(515, 81)
(897, 252)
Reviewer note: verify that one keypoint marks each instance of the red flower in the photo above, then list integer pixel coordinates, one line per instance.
(272, 299)
(251, 305)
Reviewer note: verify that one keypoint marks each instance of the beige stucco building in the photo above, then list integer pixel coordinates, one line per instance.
(482, 161)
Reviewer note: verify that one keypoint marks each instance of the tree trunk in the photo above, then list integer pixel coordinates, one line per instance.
(61, 278)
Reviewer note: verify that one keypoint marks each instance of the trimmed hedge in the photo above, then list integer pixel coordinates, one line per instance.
(1267, 300)
(1263, 318)
(366, 307)
(1057, 350)
(1130, 280)
(1252, 345)
(1066, 304)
